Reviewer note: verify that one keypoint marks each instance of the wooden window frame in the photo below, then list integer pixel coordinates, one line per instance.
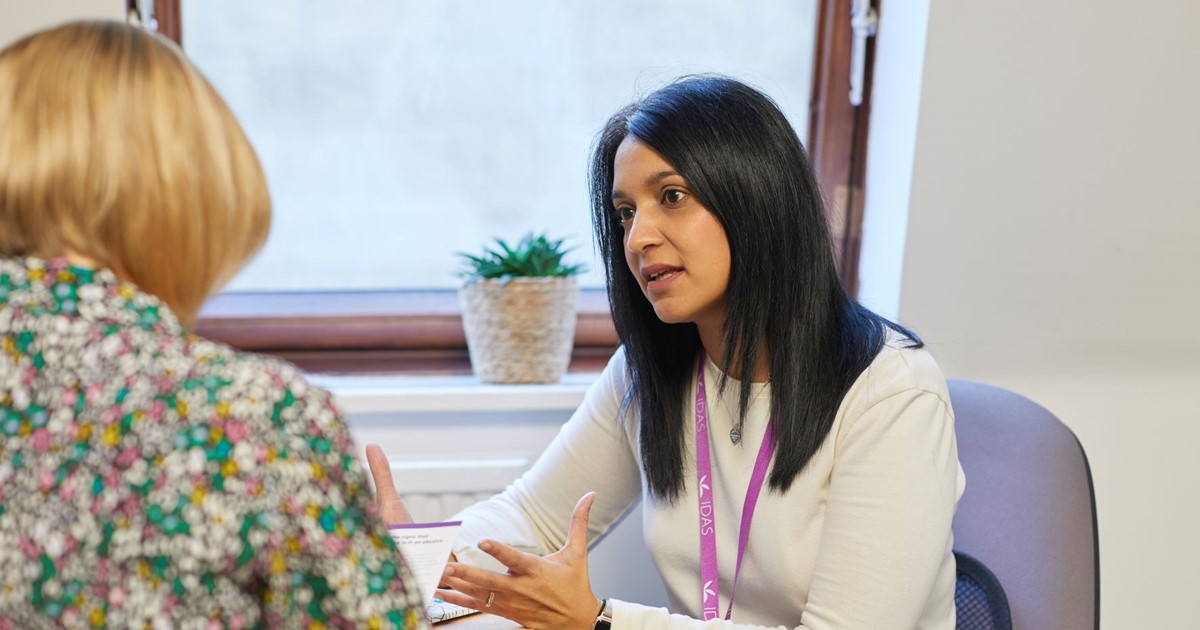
(422, 332)
(837, 132)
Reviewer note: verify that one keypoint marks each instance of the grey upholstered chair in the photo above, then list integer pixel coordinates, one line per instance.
(1029, 509)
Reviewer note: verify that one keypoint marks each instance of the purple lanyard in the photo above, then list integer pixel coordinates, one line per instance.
(709, 578)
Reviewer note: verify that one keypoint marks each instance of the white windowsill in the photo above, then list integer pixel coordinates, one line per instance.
(384, 394)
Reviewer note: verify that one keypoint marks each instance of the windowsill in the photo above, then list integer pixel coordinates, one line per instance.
(408, 394)
(380, 332)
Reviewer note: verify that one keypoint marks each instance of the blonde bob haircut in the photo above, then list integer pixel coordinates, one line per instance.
(114, 147)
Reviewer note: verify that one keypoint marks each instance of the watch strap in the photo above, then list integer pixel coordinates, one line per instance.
(604, 617)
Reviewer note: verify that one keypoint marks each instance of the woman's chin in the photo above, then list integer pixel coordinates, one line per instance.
(670, 316)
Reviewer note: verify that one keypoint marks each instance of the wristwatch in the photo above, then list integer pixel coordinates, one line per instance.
(604, 619)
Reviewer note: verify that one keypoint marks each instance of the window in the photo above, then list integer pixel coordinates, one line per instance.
(396, 133)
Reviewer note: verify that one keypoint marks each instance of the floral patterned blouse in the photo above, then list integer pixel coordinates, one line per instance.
(153, 479)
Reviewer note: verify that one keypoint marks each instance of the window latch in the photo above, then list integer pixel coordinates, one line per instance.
(864, 21)
(141, 13)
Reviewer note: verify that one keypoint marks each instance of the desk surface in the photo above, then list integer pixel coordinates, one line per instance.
(482, 621)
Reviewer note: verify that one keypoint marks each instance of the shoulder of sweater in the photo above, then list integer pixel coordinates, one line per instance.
(245, 373)
(898, 368)
(616, 376)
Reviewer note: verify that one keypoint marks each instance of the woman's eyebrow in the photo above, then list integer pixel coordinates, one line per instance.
(650, 181)
(659, 176)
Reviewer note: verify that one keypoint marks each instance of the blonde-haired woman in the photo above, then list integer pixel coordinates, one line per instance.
(148, 476)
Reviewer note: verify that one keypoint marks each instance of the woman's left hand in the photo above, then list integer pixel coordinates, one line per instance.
(537, 592)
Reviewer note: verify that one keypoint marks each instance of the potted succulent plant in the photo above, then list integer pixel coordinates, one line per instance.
(518, 305)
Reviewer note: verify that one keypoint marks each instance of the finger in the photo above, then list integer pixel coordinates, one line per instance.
(475, 578)
(453, 558)
(391, 508)
(577, 535)
(467, 588)
(517, 562)
(460, 599)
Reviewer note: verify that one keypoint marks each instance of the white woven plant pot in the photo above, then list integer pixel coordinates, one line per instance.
(520, 331)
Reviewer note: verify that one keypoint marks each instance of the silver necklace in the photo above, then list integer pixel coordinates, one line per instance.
(735, 434)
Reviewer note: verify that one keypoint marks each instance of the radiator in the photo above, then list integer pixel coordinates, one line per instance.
(435, 489)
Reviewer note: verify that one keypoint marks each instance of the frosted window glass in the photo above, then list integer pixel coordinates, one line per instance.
(396, 133)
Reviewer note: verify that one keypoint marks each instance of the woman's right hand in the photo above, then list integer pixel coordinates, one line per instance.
(391, 508)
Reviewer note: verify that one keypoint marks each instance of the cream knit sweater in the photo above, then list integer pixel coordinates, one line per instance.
(861, 541)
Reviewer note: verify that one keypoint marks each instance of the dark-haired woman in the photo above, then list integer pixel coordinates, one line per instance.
(795, 452)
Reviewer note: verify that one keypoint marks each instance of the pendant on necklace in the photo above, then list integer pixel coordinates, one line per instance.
(735, 434)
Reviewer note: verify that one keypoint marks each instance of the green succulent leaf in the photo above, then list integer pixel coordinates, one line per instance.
(535, 256)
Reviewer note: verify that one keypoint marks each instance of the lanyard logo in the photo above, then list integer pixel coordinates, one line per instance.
(708, 519)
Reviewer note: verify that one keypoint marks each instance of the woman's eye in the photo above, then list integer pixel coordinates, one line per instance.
(673, 196)
(625, 214)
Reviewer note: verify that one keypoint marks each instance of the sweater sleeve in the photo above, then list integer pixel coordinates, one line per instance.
(892, 496)
(591, 452)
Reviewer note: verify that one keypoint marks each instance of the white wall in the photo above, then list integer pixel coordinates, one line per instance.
(20, 17)
(1051, 249)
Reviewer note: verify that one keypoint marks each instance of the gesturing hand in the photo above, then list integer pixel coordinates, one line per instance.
(391, 508)
(549, 592)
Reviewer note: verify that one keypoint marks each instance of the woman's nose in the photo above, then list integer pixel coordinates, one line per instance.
(643, 232)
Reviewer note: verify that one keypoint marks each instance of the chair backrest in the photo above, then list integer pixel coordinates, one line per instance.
(979, 599)
(1029, 509)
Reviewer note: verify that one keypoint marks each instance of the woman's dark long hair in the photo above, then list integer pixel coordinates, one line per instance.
(744, 162)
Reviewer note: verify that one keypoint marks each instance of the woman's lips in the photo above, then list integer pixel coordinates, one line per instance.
(660, 279)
